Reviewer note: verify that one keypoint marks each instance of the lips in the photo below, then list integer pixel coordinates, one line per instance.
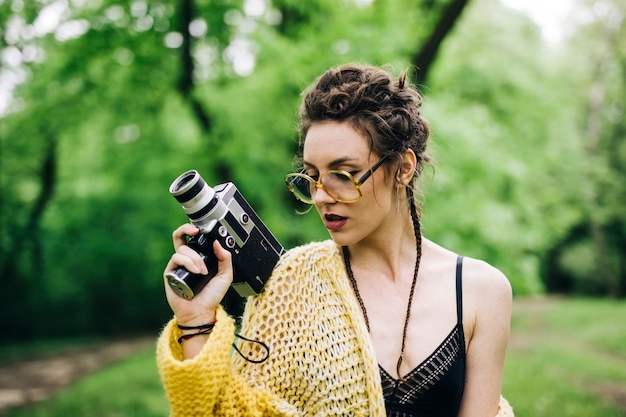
(334, 221)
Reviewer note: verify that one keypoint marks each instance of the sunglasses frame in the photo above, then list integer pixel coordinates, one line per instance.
(291, 179)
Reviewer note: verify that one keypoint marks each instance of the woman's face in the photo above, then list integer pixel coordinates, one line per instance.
(336, 145)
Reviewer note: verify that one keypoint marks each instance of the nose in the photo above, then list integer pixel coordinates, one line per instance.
(321, 197)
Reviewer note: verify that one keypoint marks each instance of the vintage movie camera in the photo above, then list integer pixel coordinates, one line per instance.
(222, 213)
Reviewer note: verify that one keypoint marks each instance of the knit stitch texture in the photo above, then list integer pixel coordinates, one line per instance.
(321, 362)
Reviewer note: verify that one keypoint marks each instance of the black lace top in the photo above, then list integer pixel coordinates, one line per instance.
(435, 387)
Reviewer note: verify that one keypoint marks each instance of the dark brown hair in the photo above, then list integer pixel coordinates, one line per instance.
(385, 110)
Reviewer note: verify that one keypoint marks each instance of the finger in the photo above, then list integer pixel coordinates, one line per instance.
(222, 254)
(224, 259)
(178, 260)
(195, 257)
(224, 265)
(179, 235)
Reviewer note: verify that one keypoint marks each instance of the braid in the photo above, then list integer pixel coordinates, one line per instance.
(418, 258)
(415, 217)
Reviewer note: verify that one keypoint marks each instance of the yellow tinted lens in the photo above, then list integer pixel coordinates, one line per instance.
(301, 186)
(340, 185)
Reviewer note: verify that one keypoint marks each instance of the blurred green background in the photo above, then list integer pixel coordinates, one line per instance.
(103, 103)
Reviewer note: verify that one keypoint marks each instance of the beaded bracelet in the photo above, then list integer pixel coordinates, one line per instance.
(204, 329)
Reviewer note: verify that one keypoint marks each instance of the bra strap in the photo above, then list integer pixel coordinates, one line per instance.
(459, 290)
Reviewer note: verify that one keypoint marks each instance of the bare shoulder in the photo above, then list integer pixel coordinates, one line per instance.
(480, 279)
(480, 276)
(487, 292)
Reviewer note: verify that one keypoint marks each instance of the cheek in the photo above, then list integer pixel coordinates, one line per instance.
(381, 194)
(376, 207)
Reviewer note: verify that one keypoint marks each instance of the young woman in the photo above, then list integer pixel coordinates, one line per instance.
(376, 321)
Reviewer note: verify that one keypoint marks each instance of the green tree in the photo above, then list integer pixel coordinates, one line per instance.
(590, 257)
(118, 99)
(531, 146)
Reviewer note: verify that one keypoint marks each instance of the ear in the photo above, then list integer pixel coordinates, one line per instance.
(406, 170)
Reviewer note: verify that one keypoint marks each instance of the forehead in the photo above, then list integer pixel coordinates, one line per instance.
(331, 140)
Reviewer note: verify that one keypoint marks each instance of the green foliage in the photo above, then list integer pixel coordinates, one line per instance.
(106, 119)
(513, 151)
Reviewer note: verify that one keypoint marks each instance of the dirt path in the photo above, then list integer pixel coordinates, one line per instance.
(36, 379)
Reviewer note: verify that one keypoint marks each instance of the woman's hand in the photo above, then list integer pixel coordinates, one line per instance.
(200, 309)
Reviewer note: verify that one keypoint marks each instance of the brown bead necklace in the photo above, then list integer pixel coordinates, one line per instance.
(355, 288)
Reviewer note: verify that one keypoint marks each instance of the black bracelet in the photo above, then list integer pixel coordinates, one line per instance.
(189, 336)
(202, 326)
(204, 329)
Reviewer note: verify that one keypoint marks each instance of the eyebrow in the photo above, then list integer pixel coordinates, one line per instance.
(335, 163)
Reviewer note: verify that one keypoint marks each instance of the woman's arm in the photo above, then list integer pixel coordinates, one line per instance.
(197, 372)
(206, 384)
(487, 301)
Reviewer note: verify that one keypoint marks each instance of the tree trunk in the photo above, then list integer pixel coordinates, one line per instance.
(23, 261)
(185, 83)
(426, 56)
(605, 272)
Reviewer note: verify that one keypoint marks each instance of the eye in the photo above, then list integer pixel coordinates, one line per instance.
(339, 177)
(308, 171)
(314, 176)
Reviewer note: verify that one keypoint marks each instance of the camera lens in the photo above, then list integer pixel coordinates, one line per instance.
(199, 201)
(189, 187)
(181, 184)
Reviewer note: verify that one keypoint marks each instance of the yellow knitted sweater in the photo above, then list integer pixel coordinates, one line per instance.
(321, 362)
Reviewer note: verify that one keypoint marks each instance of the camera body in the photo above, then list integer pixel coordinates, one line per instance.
(221, 213)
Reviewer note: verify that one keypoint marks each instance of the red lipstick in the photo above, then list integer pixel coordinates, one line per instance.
(334, 222)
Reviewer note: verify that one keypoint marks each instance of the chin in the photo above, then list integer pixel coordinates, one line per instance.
(342, 239)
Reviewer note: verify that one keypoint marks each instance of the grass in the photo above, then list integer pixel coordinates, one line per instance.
(563, 354)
